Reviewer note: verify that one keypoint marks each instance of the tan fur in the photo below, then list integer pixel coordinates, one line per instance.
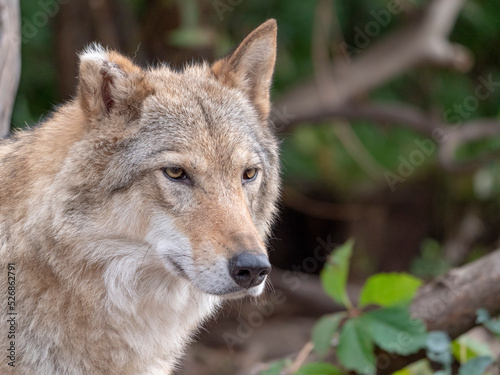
(116, 265)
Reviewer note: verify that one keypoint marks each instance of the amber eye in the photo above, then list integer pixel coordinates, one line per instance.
(249, 174)
(175, 173)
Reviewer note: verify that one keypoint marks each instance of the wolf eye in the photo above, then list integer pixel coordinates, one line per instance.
(175, 173)
(249, 174)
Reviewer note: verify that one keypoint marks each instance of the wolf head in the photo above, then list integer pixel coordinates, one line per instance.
(184, 162)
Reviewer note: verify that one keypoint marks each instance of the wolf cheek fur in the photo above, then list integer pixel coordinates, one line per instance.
(118, 262)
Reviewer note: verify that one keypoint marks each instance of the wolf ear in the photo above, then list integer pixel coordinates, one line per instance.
(109, 82)
(250, 67)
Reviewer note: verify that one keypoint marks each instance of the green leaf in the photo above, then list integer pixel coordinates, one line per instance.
(465, 348)
(355, 350)
(334, 274)
(275, 368)
(404, 371)
(393, 330)
(323, 332)
(389, 289)
(319, 368)
(438, 341)
(476, 366)
(438, 348)
(484, 318)
(421, 367)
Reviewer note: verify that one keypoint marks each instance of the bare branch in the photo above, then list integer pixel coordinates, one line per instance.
(470, 131)
(388, 113)
(10, 60)
(405, 115)
(449, 303)
(421, 42)
(330, 94)
(441, 16)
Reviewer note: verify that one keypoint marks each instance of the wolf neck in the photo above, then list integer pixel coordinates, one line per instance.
(155, 312)
(147, 320)
(164, 317)
(160, 316)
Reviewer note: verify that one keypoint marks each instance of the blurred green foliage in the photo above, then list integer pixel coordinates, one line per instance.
(431, 262)
(37, 89)
(315, 155)
(382, 319)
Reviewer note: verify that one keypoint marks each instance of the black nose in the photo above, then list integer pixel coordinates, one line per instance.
(249, 270)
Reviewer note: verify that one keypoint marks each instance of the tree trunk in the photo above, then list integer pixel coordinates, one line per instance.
(10, 60)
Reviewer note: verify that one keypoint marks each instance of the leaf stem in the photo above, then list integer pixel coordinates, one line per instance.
(301, 357)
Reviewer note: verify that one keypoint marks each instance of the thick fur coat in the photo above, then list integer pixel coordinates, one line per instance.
(119, 214)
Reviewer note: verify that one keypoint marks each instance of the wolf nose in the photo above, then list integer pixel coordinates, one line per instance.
(249, 270)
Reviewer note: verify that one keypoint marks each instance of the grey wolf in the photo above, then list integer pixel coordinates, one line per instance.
(129, 215)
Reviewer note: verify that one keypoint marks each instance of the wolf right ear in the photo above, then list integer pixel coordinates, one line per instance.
(250, 67)
(110, 83)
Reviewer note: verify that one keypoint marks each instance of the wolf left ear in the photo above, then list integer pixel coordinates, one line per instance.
(250, 67)
(110, 83)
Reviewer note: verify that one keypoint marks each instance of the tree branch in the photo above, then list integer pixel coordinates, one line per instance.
(10, 60)
(450, 302)
(452, 137)
(388, 113)
(470, 131)
(421, 42)
(331, 93)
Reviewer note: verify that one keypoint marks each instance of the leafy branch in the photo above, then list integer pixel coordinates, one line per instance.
(381, 322)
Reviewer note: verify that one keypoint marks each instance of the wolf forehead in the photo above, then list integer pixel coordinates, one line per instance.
(191, 109)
